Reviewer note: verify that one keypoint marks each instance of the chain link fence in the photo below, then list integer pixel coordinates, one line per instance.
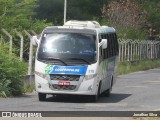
(136, 50)
(129, 50)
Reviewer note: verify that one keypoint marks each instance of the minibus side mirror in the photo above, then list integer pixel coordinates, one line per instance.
(35, 40)
(103, 43)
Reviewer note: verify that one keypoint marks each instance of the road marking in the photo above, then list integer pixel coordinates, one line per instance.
(148, 106)
(106, 104)
(138, 72)
(137, 86)
(158, 109)
(153, 82)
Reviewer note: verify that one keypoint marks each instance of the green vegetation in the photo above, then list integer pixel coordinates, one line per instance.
(128, 67)
(17, 14)
(133, 19)
(29, 88)
(52, 10)
(131, 33)
(152, 8)
(12, 71)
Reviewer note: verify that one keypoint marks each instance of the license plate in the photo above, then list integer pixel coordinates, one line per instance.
(64, 83)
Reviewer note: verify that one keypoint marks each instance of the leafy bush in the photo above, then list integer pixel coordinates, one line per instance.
(29, 88)
(131, 33)
(12, 71)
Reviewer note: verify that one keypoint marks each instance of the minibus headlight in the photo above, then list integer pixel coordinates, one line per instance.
(88, 77)
(41, 74)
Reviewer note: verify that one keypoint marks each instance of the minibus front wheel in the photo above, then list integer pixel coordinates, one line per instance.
(42, 96)
(95, 97)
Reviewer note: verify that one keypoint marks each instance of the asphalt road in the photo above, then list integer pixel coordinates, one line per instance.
(138, 91)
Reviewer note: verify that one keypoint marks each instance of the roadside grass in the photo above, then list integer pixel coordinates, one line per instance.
(123, 68)
(128, 67)
(29, 88)
(26, 89)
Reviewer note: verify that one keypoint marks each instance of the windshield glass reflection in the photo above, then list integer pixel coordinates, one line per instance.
(65, 46)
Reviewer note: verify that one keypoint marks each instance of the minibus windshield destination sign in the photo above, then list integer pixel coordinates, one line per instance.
(76, 70)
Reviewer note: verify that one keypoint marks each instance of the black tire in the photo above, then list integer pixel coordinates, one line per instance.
(94, 98)
(107, 93)
(42, 96)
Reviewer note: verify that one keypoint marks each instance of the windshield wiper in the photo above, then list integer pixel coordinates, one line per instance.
(50, 58)
(80, 59)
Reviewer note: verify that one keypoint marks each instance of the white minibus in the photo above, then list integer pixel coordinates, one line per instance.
(78, 58)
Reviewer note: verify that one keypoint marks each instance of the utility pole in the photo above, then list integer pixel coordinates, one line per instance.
(65, 10)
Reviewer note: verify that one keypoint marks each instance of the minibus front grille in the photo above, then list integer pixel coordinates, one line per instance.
(65, 77)
(58, 87)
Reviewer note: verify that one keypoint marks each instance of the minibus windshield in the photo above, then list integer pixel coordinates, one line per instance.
(68, 48)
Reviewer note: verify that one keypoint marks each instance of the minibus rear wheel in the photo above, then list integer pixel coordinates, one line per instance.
(42, 96)
(107, 93)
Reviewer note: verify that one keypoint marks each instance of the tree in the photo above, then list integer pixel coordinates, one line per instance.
(53, 10)
(15, 13)
(125, 13)
(127, 17)
(18, 14)
(134, 17)
(85, 9)
(153, 16)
